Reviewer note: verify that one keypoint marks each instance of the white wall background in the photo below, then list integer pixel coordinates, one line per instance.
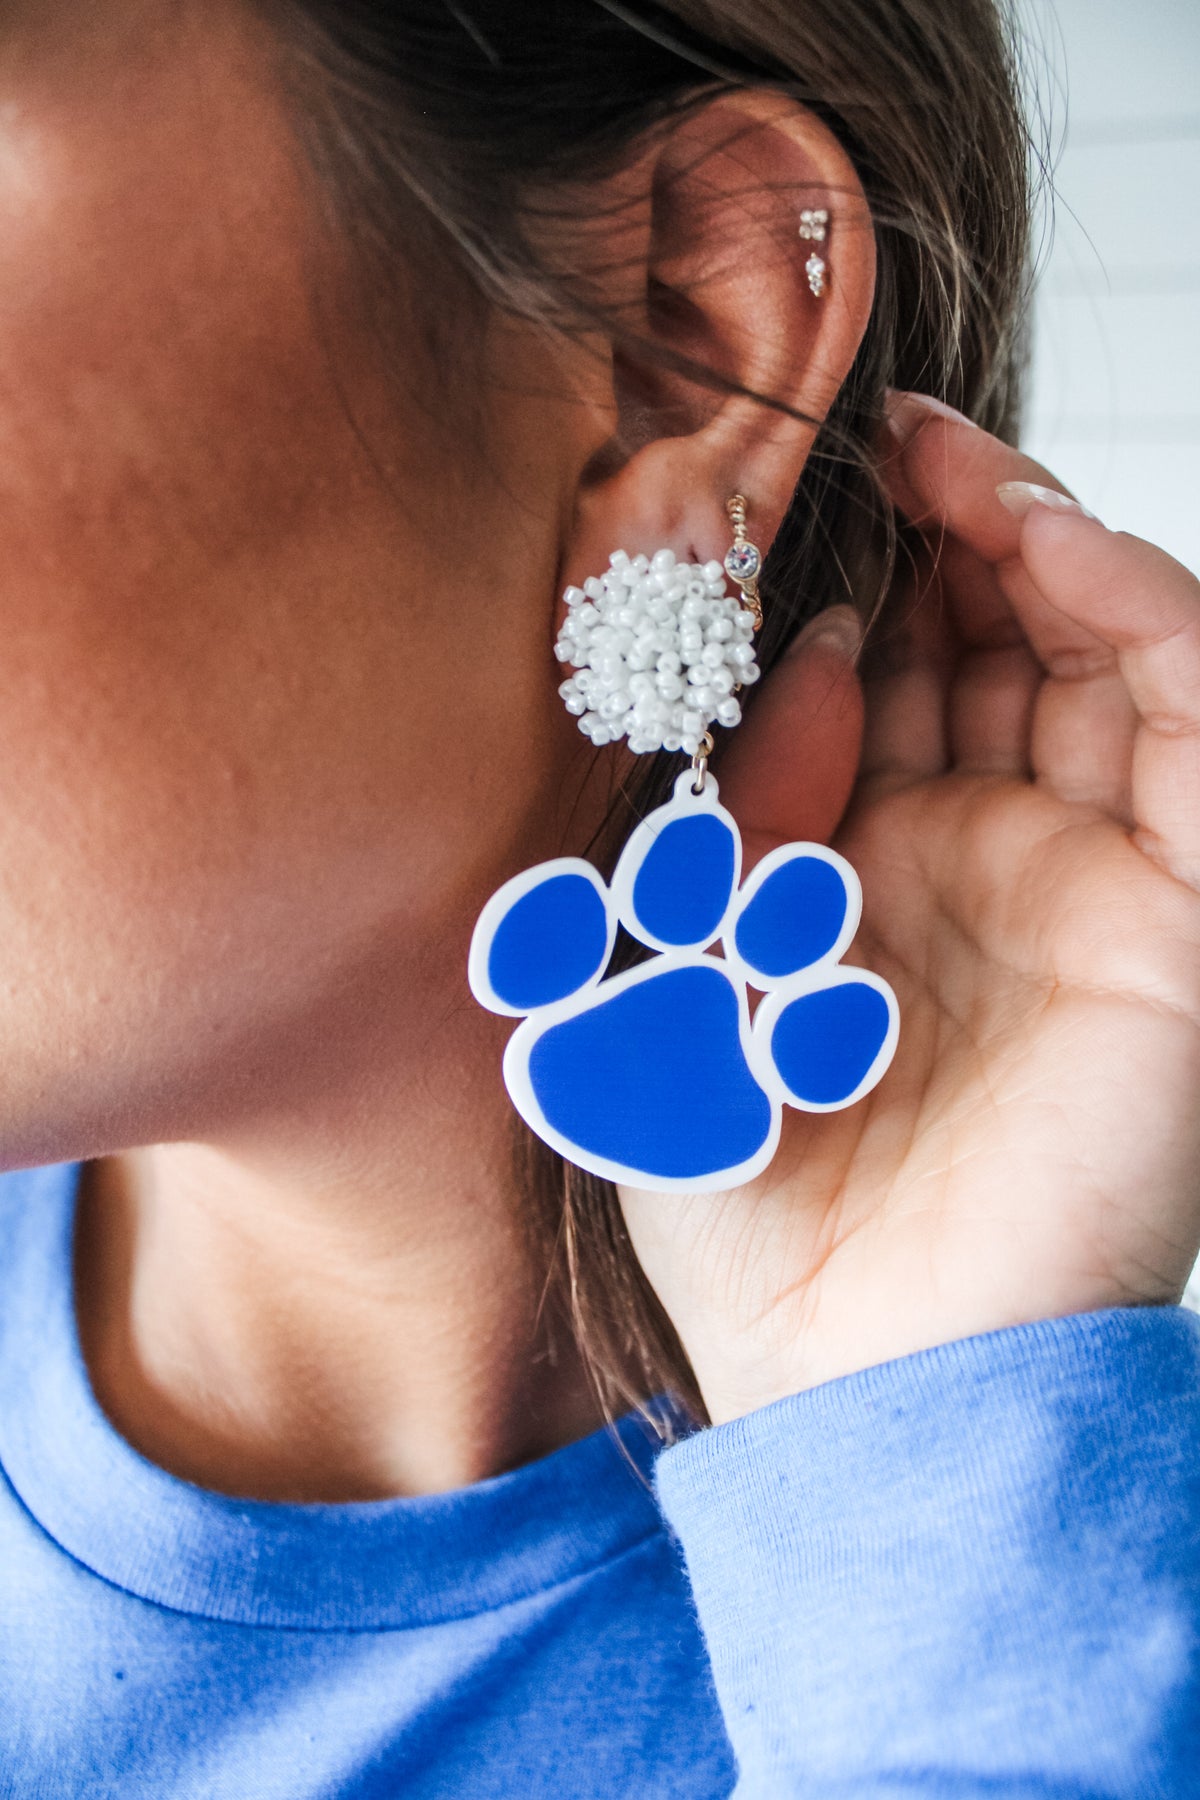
(1115, 401)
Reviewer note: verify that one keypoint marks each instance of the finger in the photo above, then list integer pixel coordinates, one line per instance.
(943, 473)
(789, 771)
(991, 709)
(995, 675)
(905, 673)
(1082, 741)
(982, 612)
(1144, 607)
(1073, 731)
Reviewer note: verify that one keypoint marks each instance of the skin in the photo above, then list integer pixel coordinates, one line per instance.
(265, 760)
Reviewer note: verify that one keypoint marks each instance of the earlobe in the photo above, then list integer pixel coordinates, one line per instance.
(726, 215)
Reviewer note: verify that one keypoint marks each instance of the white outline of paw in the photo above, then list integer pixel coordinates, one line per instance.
(755, 1037)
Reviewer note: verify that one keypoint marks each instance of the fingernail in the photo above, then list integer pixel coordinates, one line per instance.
(898, 398)
(905, 413)
(1019, 496)
(838, 626)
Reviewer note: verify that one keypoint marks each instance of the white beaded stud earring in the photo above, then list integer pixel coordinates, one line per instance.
(814, 223)
(657, 1075)
(660, 647)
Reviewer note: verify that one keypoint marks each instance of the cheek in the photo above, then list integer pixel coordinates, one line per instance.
(158, 386)
(192, 738)
(159, 400)
(247, 739)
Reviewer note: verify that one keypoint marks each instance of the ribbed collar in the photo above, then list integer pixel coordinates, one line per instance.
(358, 1565)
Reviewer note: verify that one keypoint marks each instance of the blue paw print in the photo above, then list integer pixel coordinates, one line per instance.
(657, 1077)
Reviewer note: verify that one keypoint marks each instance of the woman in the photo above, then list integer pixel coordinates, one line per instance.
(336, 341)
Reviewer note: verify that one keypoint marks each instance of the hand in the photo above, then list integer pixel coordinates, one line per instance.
(1025, 822)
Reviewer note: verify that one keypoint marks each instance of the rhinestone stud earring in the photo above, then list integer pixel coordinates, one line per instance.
(814, 224)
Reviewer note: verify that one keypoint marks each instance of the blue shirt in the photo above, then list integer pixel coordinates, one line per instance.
(973, 1571)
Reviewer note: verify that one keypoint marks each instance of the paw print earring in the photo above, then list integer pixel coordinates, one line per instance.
(658, 1077)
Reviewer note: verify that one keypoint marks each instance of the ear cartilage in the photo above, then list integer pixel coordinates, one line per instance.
(814, 223)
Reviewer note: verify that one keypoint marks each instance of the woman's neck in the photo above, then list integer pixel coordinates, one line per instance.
(370, 1328)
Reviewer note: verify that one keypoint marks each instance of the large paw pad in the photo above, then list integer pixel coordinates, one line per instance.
(656, 1077)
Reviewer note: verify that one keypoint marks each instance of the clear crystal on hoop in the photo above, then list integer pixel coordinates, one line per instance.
(814, 268)
(743, 561)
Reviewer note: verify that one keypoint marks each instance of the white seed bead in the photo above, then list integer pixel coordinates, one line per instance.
(659, 645)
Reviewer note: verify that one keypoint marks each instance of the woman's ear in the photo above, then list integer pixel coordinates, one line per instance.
(703, 264)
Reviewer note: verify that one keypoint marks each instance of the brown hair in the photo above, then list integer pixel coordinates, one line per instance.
(461, 120)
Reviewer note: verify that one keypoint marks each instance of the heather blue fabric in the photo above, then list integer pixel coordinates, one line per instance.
(526, 1637)
(970, 1572)
(974, 1571)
